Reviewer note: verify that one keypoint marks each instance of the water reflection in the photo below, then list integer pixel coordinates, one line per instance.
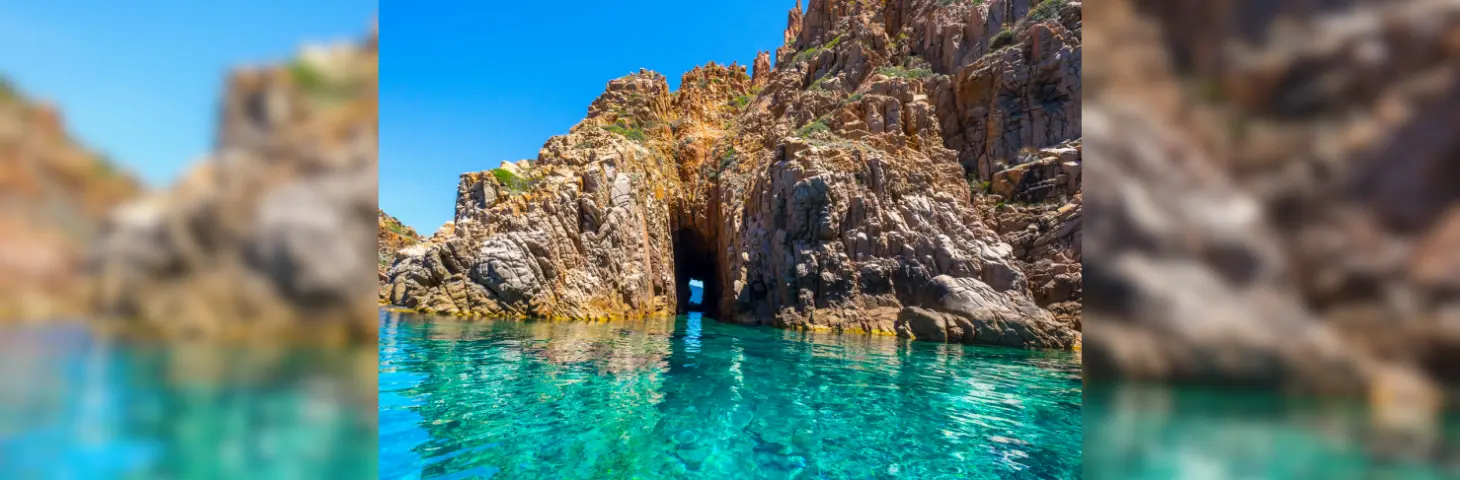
(692, 331)
(693, 398)
(77, 405)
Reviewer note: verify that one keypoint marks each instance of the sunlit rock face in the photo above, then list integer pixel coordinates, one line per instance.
(847, 185)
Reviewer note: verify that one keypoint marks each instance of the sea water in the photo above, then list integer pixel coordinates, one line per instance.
(690, 397)
(78, 405)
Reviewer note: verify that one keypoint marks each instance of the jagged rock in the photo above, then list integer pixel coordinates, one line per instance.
(818, 194)
(392, 237)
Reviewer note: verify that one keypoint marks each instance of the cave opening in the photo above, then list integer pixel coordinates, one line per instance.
(694, 264)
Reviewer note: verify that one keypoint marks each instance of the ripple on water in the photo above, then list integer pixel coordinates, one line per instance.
(694, 398)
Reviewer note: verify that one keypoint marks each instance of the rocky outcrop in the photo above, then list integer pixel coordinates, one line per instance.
(272, 231)
(392, 236)
(827, 192)
(54, 195)
(583, 232)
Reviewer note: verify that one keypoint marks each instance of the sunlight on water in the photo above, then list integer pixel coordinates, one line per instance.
(693, 398)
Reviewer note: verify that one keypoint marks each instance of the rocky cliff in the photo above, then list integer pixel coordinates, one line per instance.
(54, 195)
(273, 229)
(905, 167)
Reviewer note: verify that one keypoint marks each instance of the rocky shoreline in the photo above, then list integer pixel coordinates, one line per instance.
(907, 168)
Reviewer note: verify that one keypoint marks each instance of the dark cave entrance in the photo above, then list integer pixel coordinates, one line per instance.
(694, 260)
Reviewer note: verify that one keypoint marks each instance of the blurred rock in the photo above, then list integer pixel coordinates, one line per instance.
(54, 195)
(1275, 183)
(272, 231)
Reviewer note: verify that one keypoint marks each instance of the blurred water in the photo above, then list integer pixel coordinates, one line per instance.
(1137, 431)
(75, 405)
(689, 397)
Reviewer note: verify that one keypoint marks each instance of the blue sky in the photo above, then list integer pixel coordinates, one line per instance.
(467, 85)
(140, 80)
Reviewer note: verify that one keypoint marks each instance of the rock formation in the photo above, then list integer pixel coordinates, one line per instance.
(392, 236)
(849, 186)
(54, 195)
(272, 230)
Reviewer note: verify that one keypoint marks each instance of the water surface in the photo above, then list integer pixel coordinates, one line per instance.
(693, 398)
(77, 405)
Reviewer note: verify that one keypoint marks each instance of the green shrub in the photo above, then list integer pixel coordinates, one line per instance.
(812, 52)
(314, 82)
(904, 72)
(1046, 10)
(741, 101)
(631, 133)
(104, 167)
(815, 127)
(511, 181)
(728, 158)
(1001, 40)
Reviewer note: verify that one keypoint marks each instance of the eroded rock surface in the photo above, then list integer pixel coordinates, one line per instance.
(835, 189)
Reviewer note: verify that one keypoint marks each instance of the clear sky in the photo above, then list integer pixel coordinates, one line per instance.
(141, 80)
(467, 85)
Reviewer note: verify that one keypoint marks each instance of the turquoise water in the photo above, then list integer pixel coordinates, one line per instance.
(74, 405)
(693, 398)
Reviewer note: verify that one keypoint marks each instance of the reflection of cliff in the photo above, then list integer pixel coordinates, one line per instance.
(274, 228)
(829, 189)
(53, 196)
